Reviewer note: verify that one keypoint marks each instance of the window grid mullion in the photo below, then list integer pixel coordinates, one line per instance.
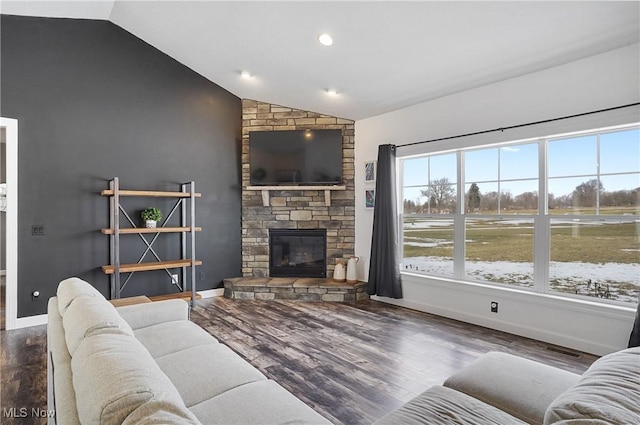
(459, 222)
(542, 237)
(598, 173)
(499, 185)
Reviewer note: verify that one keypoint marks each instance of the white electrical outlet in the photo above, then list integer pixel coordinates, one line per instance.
(174, 279)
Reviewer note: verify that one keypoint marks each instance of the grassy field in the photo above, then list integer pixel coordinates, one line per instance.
(501, 250)
(497, 240)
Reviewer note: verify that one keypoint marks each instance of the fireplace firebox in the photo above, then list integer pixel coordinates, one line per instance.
(297, 253)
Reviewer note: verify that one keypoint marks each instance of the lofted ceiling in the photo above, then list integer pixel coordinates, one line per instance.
(386, 54)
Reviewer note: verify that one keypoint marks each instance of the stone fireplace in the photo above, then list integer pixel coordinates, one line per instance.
(330, 211)
(297, 253)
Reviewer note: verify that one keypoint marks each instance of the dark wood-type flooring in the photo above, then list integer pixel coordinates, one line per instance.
(355, 363)
(23, 373)
(3, 291)
(351, 363)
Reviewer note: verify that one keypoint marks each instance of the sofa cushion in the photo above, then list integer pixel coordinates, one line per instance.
(261, 403)
(147, 314)
(114, 376)
(60, 393)
(159, 412)
(608, 392)
(225, 370)
(182, 334)
(71, 288)
(88, 315)
(442, 405)
(521, 387)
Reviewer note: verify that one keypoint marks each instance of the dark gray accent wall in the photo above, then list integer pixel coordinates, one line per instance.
(3, 216)
(94, 102)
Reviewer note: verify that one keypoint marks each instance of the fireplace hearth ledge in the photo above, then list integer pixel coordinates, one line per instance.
(291, 288)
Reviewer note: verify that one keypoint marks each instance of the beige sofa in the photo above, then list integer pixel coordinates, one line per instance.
(148, 364)
(502, 389)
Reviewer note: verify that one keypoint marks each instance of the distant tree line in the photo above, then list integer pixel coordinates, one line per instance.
(441, 198)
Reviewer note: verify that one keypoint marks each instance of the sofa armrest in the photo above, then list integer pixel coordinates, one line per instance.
(148, 314)
(521, 387)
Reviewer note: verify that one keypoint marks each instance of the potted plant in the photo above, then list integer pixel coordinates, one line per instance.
(151, 216)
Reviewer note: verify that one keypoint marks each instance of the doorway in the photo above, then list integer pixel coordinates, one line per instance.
(9, 221)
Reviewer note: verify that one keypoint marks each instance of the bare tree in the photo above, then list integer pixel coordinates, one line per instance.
(441, 195)
(527, 200)
(506, 200)
(489, 201)
(586, 194)
(620, 198)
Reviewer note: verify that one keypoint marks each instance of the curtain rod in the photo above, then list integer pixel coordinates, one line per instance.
(511, 127)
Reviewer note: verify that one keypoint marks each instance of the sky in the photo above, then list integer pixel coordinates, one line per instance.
(571, 161)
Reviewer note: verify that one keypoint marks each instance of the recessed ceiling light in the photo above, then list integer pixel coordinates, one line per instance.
(332, 92)
(246, 75)
(325, 39)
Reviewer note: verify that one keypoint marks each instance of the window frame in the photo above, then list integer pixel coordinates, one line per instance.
(542, 220)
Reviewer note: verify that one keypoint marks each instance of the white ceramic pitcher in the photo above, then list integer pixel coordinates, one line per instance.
(351, 270)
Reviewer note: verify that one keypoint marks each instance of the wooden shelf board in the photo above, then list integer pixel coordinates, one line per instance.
(134, 230)
(156, 265)
(152, 193)
(179, 295)
(122, 302)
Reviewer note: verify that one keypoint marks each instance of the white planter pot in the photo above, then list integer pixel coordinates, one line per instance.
(150, 224)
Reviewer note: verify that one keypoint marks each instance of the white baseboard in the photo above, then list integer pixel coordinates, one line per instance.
(210, 293)
(545, 335)
(25, 322)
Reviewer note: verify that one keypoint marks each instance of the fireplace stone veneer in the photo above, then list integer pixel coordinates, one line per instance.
(294, 289)
(300, 208)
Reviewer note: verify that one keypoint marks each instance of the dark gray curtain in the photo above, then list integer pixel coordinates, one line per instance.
(384, 272)
(634, 339)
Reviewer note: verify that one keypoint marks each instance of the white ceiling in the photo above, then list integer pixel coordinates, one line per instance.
(385, 56)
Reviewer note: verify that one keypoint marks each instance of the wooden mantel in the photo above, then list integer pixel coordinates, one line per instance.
(266, 189)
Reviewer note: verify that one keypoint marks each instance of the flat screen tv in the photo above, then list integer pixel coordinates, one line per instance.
(305, 157)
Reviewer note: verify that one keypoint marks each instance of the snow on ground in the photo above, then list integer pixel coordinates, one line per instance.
(623, 279)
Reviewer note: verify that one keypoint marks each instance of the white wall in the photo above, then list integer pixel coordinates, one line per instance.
(598, 82)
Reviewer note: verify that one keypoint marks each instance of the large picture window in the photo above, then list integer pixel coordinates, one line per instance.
(558, 215)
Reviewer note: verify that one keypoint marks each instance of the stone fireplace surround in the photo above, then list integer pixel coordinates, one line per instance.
(295, 209)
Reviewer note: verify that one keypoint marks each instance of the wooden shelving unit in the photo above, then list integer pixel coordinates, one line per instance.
(185, 204)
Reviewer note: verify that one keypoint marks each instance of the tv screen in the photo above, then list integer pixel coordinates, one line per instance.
(300, 157)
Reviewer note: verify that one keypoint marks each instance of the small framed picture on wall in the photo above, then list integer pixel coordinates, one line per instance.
(369, 171)
(369, 198)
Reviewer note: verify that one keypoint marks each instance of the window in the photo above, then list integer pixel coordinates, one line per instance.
(477, 214)
(429, 201)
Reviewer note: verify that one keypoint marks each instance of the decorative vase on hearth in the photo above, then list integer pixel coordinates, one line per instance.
(351, 270)
(338, 272)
